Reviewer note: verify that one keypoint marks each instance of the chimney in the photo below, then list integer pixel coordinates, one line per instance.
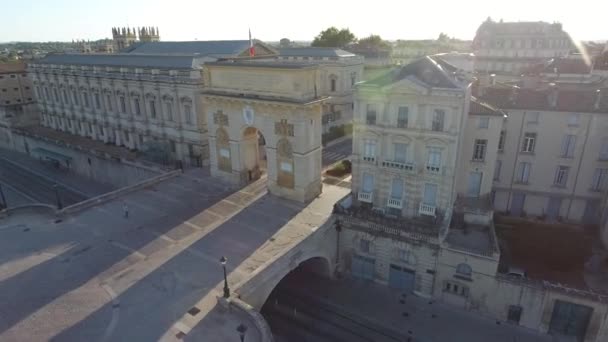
(598, 99)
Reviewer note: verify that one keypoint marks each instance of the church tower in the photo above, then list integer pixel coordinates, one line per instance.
(123, 37)
(148, 34)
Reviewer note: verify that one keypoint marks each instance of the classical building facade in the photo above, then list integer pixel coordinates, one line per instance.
(511, 47)
(339, 72)
(15, 85)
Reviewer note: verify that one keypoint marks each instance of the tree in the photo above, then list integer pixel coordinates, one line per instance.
(332, 37)
(285, 43)
(374, 42)
(443, 37)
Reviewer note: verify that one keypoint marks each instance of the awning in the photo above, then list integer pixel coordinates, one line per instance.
(48, 154)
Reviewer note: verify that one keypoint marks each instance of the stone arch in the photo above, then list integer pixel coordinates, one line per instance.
(222, 142)
(285, 164)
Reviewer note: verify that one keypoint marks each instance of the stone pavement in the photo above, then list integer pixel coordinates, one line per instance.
(428, 321)
(100, 276)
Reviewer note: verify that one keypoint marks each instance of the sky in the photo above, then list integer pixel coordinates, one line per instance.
(271, 20)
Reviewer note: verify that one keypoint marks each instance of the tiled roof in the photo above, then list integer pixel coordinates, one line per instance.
(121, 60)
(425, 69)
(12, 67)
(202, 48)
(315, 52)
(568, 100)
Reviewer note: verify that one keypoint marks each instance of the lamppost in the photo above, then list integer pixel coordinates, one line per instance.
(242, 329)
(223, 260)
(3, 204)
(338, 227)
(56, 188)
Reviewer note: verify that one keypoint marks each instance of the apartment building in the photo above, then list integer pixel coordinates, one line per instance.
(552, 160)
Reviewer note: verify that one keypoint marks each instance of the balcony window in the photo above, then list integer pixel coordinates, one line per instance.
(434, 159)
(370, 117)
(400, 152)
(369, 150)
(568, 144)
(529, 142)
(368, 183)
(523, 173)
(438, 120)
(479, 150)
(561, 176)
(501, 140)
(397, 188)
(600, 180)
(464, 270)
(402, 117)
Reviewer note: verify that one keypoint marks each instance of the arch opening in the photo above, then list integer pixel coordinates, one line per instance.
(253, 144)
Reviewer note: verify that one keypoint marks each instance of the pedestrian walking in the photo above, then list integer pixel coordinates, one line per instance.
(125, 209)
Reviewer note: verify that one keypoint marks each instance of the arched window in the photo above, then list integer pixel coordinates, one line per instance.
(333, 82)
(464, 270)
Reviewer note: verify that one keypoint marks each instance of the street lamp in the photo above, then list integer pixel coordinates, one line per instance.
(56, 188)
(223, 260)
(242, 329)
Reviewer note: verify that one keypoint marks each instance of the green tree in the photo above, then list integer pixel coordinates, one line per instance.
(374, 42)
(332, 37)
(285, 43)
(443, 37)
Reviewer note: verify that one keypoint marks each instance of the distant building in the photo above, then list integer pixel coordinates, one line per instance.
(15, 85)
(407, 51)
(339, 71)
(124, 38)
(512, 47)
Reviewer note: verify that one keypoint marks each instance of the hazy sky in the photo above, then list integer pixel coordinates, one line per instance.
(52, 20)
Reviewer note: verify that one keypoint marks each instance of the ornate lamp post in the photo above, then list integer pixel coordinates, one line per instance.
(223, 260)
(242, 329)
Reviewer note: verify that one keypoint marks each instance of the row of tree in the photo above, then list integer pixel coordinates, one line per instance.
(341, 38)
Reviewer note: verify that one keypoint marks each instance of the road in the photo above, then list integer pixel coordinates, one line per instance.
(337, 152)
(31, 186)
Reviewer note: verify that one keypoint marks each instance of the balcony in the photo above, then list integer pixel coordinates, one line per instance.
(398, 165)
(365, 197)
(370, 159)
(396, 203)
(427, 209)
(433, 168)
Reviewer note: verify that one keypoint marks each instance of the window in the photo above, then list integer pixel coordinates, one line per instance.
(568, 144)
(369, 150)
(532, 117)
(55, 94)
(153, 109)
(123, 105)
(65, 96)
(188, 114)
(172, 143)
(137, 107)
(333, 84)
(46, 93)
(13, 76)
(97, 101)
(353, 78)
(574, 119)
(479, 150)
(90, 128)
(561, 176)
(529, 142)
(464, 270)
(501, 140)
(127, 136)
(430, 194)
(600, 178)
(370, 117)
(400, 152)
(397, 188)
(364, 245)
(402, 117)
(438, 120)
(169, 113)
(85, 98)
(456, 289)
(75, 97)
(434, 159)
(483, 123)
(109, 101)
(368, 183)
(523, 173)
(497, 168)
(604, 149)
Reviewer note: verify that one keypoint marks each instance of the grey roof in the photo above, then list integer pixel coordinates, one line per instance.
(265, 64)
(122, 60)
(202, 48)
(315, 52)
(425, 69)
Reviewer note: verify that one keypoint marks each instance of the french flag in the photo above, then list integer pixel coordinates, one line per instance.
(251, 47)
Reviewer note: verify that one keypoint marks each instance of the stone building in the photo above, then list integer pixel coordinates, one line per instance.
(15, 85)
(511, 47)
(340, 71)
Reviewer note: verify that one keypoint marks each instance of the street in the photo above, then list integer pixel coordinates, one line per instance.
(339, 151)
